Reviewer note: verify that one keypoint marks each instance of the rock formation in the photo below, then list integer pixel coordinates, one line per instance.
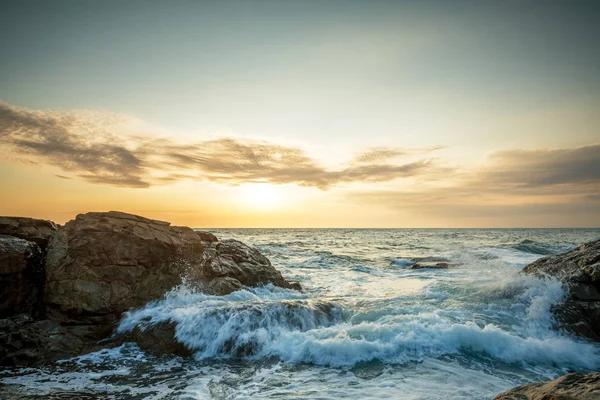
(31, 229)
(64, 290)
(576, 386)
(579, 270)
(21, 276)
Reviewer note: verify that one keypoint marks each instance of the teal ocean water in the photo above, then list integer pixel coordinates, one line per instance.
(366, 326)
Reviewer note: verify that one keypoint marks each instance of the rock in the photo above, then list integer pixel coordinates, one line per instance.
(102, 264)
(207, 236)
(576, 386)
(233, 259)
(34, 230)
(223, 286)
(24, 341)
(21, 277)
(158, 339)
(432, 265)
(579, 270)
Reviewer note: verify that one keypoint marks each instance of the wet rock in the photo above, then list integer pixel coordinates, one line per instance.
(25, 341)
(432, 265)
(21, 277)
(100, 265)
(158, 339)
(576, 386)
(579, 270)
(31, 229)
(234, 259)
(223, 286)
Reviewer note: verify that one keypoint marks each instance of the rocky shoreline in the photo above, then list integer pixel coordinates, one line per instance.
(65, 288)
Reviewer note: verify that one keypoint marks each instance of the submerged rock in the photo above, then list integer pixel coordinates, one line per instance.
(432, 265)
(576, 386)
(158, 339)
(579, 270)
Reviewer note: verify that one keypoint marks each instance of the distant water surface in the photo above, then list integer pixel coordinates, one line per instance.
(366, 327)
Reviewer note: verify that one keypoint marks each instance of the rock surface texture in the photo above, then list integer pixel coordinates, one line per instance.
(67, 300)
(579, 270)
(34, 230)
(21, 276)
(576, 386)
(102, 264)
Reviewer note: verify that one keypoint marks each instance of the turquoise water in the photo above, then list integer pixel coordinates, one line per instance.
(366, 327)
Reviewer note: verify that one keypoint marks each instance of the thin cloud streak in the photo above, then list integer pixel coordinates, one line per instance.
(95, 150)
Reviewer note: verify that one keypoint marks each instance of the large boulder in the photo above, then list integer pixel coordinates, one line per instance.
(21, 277)
(34, 230)
(102, 264)
(576, 386)
(579, 270)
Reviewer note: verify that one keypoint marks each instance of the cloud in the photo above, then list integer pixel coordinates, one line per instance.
(540, 168)
(512, 183)
(99, 148)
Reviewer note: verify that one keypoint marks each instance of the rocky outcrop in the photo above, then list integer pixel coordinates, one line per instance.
(576, 386)
(579, 270)
(100, 265)
(230, 264)
(21, 277)
(31, 229)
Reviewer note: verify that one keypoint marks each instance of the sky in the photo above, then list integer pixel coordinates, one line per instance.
(303, 113)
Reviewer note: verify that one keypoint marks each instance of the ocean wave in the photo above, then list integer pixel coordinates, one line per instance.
(533, 247)
(273, 322)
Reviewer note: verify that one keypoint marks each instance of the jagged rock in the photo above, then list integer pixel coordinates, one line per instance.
(579, 270)
(576, 386)
(21, 277)
(34, 230)
(232, 258)
(102, 264)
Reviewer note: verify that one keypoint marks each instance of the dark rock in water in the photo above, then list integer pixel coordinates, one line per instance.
(233, 259)
(21, 277)
(576, 386)
(100, 265)
(34, 230)
(159, 339)
(432, 265)
(24, 341)
(579, 270)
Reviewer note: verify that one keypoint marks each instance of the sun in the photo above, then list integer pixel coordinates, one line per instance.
(261, 195)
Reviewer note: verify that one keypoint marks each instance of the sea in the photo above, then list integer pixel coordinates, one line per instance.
(366, 326)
